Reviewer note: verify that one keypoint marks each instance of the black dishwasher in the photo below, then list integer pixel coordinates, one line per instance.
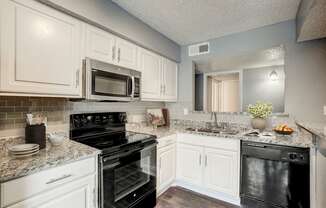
(274, 176)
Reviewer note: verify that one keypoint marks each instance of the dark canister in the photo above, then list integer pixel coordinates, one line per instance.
(36, 134)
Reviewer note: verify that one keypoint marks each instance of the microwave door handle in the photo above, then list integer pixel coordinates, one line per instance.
(129, 87)
(133, 87)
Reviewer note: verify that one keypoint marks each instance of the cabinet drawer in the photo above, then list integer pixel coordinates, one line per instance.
(25, 187)
(166, 141)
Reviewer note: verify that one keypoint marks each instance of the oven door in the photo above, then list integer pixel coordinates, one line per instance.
(111, 86)
(128, 176)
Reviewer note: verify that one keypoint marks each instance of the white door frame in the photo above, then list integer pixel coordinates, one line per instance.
(220, 73)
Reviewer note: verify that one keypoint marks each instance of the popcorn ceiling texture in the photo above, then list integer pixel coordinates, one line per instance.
(57, 110)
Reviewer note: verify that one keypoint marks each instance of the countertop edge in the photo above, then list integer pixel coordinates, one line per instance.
(50, 167)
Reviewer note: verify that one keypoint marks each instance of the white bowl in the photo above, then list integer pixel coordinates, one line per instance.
(56, 139)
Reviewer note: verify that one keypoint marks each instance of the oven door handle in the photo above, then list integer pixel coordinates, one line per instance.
(123, 154)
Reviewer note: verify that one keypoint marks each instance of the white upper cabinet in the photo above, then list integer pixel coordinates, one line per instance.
(100, 45)
(126, 54)
(104, 46)
(40, 50)
(150, 67)
(170, 80)
(159, 77)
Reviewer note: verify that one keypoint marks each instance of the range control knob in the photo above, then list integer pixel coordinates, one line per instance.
(293, 156)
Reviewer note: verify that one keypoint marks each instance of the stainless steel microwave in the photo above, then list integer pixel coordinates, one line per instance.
(107, 82)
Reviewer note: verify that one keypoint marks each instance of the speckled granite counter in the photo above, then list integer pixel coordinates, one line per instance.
(318, 129)
(11, 168)
(297, 139)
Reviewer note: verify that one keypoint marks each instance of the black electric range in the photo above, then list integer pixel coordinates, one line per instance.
(127, 163)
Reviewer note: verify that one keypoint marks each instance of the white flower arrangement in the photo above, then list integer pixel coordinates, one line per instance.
(260, 110)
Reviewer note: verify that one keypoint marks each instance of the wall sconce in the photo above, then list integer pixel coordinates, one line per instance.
(273, 75)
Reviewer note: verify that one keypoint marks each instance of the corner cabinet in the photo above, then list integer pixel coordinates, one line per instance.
(40, 50)
(159, 77)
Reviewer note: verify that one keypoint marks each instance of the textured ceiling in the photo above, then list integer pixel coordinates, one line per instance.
(190, 21)
(269, 57)
(314, 23)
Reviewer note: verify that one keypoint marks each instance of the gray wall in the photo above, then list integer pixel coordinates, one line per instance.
(257, 86)
(113, 17)
(305, 68)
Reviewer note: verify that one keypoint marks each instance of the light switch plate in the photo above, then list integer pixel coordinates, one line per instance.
(324, 109)
(185, 111)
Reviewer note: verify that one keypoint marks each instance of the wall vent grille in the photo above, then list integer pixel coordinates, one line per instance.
(198, 49)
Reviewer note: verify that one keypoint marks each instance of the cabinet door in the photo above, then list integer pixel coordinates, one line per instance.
(100, 45)
(221, 171)
(166, 167)
(189, 163)
(40, 50)
(150, 66)
(170, 76)
(77, 194)
(126, 54)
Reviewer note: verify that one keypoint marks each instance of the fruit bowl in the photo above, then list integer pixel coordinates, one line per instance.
(283, 132)
(283, 129)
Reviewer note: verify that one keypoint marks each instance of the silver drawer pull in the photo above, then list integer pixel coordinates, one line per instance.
(58, 179)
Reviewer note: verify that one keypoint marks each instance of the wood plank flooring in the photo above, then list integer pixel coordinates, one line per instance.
(176, 197)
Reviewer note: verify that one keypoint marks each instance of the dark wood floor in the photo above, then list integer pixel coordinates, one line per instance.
(176, 197)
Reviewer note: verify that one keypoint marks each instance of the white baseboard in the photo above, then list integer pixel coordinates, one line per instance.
(216, 195)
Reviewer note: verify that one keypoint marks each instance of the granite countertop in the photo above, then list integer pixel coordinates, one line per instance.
(11, 168)
(299, 138)
(318, 129)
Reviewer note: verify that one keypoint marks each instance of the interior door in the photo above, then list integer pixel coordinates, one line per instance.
(221, 168)
(170, 74)
(150, 66)
(100, 45)
(166, 166)
(230, 101)
(189, 163)
(126, 54)
(40, 50)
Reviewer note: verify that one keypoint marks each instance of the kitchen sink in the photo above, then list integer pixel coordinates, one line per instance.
(214, 130)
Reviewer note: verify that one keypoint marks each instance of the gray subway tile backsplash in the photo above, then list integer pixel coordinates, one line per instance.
(13, 109)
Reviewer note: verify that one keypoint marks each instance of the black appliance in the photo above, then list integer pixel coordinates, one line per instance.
(274, 176)
(127, 163)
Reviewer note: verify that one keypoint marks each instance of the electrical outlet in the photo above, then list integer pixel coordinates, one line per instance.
(324, 109)
(185, 111)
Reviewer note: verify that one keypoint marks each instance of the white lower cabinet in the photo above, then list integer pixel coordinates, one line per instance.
(220, 172)
(166, 167)
(204, 164)
(77, 194)
(166, 163)
(189, 163)
(69, 186)
(209, 165)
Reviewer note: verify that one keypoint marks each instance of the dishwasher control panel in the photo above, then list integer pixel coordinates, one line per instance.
(298, 157)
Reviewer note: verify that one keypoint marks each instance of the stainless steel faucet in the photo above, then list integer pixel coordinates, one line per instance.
(215, 124)
(215, 119)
